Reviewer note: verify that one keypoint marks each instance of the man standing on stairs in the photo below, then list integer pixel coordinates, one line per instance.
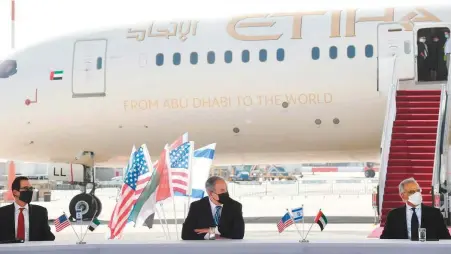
(404, 222)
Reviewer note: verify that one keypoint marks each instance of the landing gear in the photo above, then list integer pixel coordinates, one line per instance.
(90, 205)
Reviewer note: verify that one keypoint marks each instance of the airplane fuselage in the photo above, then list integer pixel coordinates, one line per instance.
(270, 88)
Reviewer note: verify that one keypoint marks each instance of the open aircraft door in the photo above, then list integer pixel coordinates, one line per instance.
(417, 28)
(394, 40)
(89, 68)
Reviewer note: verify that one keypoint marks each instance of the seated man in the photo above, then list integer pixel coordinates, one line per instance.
(21, 220)
(403, 222)
(216, 210)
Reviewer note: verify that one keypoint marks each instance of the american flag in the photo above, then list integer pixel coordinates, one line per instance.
(179, 169)
(284, 223)
(61, 223)
(134, 182)
(178, 142)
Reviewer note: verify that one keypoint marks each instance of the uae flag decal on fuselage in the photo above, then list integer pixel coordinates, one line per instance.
(56, 75)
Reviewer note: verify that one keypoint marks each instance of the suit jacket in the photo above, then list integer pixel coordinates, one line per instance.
(431, 219)
(231, 223)
(38, 226)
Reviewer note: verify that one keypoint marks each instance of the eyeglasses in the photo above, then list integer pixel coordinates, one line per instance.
(27, 188)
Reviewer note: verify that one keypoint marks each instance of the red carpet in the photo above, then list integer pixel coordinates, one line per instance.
(378, 231)
(413, 145)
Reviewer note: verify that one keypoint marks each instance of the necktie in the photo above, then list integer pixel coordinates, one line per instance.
(414, 226)
(217, 215)
(21, 225)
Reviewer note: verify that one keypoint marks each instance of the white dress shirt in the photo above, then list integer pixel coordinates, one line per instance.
(409, 214)
(213, 212)
(448, 46)
(26, 219)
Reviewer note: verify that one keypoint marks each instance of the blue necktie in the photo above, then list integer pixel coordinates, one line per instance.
(217, 215)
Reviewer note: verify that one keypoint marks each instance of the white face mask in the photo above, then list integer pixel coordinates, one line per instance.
(416, 198)
(446, 36)
(422, 40)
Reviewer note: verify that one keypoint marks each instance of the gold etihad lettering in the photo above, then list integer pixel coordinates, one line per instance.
(219, 102)
(180, 29)
(269, 20)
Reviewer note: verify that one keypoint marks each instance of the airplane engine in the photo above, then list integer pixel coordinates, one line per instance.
(83, 176)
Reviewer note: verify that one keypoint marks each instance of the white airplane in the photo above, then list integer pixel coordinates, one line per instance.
(272, 88)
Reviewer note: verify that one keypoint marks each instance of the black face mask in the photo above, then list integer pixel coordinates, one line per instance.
(224, 198)
(26, 196)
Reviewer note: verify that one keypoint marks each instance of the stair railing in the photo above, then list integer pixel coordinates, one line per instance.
(436, 182)
(390, 116)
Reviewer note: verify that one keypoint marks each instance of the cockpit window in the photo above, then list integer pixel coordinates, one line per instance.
(8, 68)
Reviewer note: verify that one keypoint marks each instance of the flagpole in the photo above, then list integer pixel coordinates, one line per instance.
(168, 162)
(294, 222)
(161, 222)
(165, 220)
(190, 181)
(72, 226)
(303, 221)
(93, 217)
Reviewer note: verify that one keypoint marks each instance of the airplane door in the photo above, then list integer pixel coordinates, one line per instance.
(435, 26)
(392, 39)
(89, 64)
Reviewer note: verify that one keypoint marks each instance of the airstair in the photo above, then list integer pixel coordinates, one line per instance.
(415, 143)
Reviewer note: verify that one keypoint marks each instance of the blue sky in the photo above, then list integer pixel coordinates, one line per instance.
(38, 20)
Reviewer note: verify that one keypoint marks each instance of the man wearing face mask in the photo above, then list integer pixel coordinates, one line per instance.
(423, 54)
(216, 210)
(21, 220)
(404, 222)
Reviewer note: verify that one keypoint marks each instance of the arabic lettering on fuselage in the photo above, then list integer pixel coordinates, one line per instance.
(180, 29)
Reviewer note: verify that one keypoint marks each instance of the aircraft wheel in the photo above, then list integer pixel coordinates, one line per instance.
(87, 203)
(373, 174)
(367, 173)
(99, 206)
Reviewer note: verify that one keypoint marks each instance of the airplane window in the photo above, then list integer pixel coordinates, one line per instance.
(8, 68)
(351, 51)
(160, 59)
(315, 53)
(211, 57)
(333, 52)
(280, 55)
(245, 56)
(263, 55)
(176, 58)
(194, 58)
(369, 50)
(228, 56)
(99, 63)
(407, 49)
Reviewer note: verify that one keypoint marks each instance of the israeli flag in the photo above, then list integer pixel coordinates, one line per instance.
(298, 214)
(202, 161)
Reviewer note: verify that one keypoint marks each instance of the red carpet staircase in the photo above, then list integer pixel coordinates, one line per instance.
(412, 146)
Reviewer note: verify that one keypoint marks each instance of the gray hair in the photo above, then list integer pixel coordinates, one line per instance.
(211, 182)
(406, 181)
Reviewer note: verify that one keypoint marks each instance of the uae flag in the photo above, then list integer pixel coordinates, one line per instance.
(56, 75)
(94, 224)
(321, 220)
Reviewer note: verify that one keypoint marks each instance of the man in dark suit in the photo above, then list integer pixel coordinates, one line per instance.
(22, 221)
(403, 222)
(216, 210)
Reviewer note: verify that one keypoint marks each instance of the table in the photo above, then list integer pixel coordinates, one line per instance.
(234, 246)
